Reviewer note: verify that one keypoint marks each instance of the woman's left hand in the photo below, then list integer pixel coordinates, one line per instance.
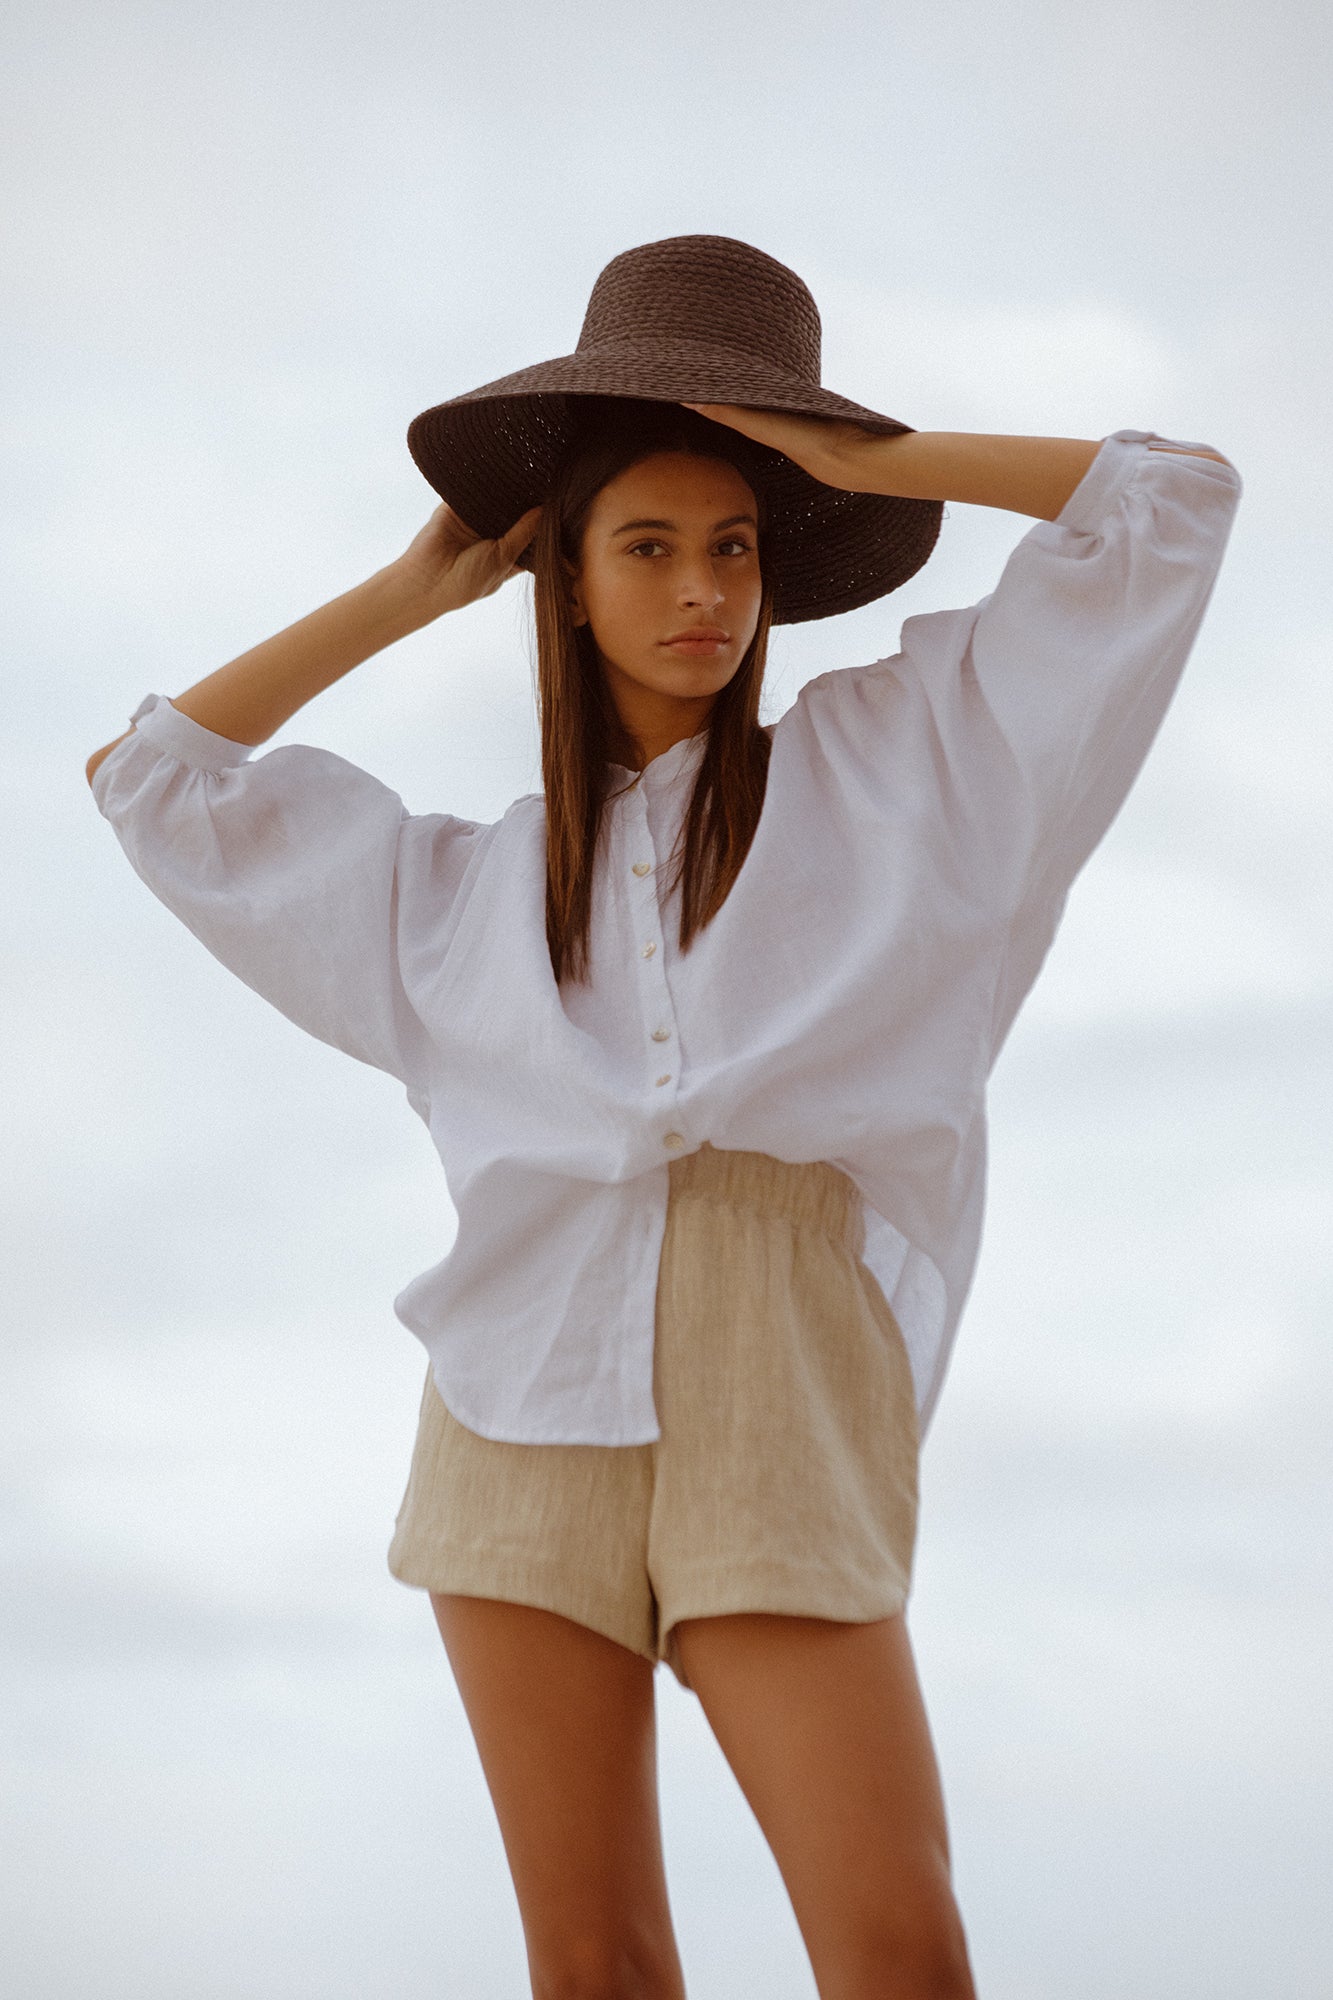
(826, 447)
(1034, 476)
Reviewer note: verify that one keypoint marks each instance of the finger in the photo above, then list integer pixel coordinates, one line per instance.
(517, 539)
(446, 520)
(721, 413)
(764, 426)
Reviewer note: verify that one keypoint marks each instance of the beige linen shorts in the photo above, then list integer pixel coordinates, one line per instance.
(785, 1477)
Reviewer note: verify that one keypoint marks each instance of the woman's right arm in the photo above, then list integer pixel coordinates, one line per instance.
(444, 568)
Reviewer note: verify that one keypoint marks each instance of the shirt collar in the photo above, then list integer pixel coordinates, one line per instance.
(659, 775)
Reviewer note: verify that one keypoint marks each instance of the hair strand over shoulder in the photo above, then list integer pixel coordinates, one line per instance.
(579, 725)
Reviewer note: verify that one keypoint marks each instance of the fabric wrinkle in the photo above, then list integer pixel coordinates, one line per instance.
(924, 819)
(785, 1475)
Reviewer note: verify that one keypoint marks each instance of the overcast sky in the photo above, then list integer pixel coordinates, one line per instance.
(244, 245)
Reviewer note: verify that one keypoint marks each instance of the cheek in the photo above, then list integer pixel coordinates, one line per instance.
(750, 594)
(620, 602)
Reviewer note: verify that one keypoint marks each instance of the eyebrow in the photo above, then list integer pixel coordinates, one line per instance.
(732, 521)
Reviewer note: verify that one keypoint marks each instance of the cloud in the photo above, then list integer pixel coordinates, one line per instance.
(1066, 367)
(246, 246)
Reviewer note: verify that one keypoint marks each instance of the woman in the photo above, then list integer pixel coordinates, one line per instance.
(702, 1036)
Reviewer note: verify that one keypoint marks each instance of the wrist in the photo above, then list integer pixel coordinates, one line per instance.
(403, 598)
(873, 463)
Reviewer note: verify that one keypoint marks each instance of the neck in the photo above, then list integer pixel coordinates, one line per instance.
(636, 741)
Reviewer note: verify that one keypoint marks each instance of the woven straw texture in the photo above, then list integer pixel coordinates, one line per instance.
(701, 319)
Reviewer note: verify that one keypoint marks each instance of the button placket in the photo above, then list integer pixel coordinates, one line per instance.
(662, 1082)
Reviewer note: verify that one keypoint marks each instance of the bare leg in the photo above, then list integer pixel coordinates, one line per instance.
(565, 1725)
(824, 1727)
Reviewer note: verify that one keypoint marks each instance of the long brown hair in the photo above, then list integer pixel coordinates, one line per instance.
(579, 723)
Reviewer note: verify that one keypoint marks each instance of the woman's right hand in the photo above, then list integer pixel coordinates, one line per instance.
(452, 567)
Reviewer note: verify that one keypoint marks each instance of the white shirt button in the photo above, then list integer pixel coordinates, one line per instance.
(642, 867)
(675, 1140)
(664, 1079)
(661, 1034)
(649, 949)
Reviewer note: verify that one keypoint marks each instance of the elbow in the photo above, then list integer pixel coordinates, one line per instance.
(91, 767)
(1205, 458)
(1198, 451)
(1190, 451)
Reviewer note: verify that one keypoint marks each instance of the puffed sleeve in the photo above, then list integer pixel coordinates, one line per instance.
(1046, 696)
(1044, 699)
(286, 867)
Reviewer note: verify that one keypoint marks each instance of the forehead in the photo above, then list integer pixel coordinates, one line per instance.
(675, 485)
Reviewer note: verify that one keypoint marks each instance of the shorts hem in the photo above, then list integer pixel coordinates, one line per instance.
(511, 1580)
(777, 1587)
(763, 1589)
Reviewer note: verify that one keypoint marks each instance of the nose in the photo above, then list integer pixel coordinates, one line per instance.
(700, 589)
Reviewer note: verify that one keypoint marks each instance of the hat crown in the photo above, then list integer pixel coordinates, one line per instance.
(713, 291)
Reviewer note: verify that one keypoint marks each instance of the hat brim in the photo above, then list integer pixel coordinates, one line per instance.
(492, 453)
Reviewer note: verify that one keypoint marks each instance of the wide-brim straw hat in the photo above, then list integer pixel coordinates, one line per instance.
(698, 319)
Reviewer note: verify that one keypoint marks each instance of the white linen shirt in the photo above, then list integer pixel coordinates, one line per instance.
(924, 818)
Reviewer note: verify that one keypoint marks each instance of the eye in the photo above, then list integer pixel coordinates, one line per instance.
(635, 547)
(735, 544)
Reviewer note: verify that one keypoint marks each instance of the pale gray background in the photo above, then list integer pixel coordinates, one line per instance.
(245, 245)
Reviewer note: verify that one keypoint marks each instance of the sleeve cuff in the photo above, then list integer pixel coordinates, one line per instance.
(181, 737)
(1103, 482)
(1110, 472)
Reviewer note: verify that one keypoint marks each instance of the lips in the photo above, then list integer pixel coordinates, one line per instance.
(703, 636)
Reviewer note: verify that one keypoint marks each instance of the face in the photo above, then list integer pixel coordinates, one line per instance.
(669, 583)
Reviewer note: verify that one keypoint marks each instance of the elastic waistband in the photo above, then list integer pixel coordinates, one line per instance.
(811, 1192)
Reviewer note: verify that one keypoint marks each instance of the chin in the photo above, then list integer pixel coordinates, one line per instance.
(707, 675)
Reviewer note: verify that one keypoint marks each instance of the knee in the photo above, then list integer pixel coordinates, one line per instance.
(935, 1969)
(921, 1955)
(623, 1972)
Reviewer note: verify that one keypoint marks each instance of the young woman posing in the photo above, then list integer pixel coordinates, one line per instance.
(701, 1034)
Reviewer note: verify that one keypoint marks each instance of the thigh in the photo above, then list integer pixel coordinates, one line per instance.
(565, 1725)
(825, 1729)
(787, 1469)
(561, 1527)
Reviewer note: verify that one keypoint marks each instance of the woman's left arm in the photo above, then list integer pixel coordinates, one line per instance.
(1026, 475)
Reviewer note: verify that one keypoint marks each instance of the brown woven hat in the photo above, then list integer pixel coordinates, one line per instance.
(699, 319)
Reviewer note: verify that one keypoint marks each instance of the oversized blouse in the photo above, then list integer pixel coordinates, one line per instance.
(924, 818)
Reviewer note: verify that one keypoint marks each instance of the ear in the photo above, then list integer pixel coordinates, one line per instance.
(576, 604)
